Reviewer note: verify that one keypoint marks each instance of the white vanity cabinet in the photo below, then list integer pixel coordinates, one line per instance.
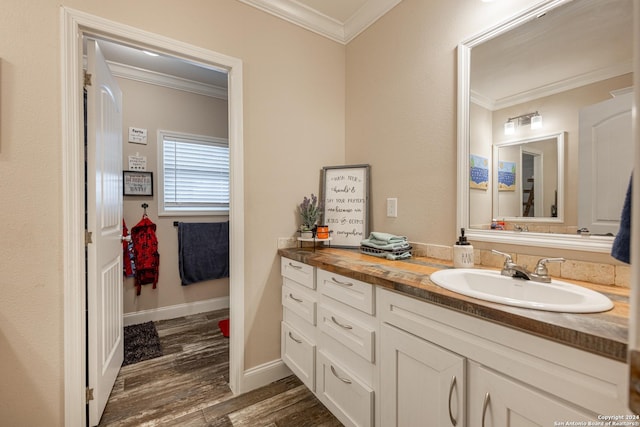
(347, 362)
(376, 357)
(298, 329)
(508, 377)
(328, 339)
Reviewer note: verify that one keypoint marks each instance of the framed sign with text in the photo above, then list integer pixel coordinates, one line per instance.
(346, 203)
(136, 183)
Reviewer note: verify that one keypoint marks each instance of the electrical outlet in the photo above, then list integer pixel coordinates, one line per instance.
(286, 242)
(392, 207)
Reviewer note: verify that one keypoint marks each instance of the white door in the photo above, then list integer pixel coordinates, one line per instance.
(104, 222)
(604, 170)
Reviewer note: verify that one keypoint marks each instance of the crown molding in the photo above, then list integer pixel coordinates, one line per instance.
(159, 79)
(550, 89)
(369, 13)
(312, 20)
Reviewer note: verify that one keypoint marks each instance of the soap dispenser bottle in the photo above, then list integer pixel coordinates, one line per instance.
(462, 252)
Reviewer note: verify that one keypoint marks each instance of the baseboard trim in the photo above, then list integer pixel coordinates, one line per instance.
(174, 311)
(264, 374)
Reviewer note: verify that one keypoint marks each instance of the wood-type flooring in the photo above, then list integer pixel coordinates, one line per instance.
(188, 386)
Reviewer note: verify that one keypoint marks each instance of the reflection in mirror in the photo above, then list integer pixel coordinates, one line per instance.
(529, 179)
(556, 59)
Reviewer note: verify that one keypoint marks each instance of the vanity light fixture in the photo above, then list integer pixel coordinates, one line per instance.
(509, 127)
(536, 122)
(534, 119)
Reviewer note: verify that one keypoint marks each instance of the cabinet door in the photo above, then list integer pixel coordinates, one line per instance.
(299, 354)
(346, 396)
(298, 272)
(301, 303)
(352, 292)
(342, 326)
(496, 400)
(421, 383)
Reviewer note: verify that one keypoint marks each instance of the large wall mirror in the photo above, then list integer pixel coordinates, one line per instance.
(544, 125)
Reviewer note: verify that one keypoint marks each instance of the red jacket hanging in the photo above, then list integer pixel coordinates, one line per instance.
(147, 258)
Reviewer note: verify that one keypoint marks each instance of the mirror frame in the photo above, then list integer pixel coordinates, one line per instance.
(559, 138)
(544, 240)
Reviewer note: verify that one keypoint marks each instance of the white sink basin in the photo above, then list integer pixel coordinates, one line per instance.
(491, 286)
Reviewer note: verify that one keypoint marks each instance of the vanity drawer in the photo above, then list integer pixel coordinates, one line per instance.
(298, 272)
(299, 354)
(357, 294)
(350, 400)
(343, 327)
(302, 303)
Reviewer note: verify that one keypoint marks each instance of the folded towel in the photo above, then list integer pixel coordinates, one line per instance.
(386, 237)
(203, 251)
(621, 244)
(382, 245)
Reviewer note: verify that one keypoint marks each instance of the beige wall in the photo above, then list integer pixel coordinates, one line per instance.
(156, 108)
(294, 106)
(401, 110)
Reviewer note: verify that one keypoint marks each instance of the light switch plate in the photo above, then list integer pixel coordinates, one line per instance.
(392, 207)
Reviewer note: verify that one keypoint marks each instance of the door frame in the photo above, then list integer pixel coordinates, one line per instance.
(74, 24)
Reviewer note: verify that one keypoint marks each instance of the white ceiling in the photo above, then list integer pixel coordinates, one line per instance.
(581, 42)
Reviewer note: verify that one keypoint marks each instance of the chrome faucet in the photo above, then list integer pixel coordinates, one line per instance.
(539, 274)
(511, 269)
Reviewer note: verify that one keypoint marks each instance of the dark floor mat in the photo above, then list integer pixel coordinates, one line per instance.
(141, 342)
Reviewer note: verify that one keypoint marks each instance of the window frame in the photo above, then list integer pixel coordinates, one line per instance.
(198, 139)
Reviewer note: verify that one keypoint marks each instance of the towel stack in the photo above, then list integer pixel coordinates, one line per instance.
(386, 245)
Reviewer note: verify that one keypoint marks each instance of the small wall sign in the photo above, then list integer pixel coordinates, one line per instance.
(138, 135)
(137, 183)
(137, 163)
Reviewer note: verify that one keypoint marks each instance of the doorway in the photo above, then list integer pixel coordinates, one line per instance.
(75, 25)
(532, 183)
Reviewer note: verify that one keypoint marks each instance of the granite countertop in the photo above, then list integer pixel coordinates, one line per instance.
(604, 334)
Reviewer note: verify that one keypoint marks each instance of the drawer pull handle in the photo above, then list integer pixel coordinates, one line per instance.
(297, 267)
(344, 380)
(454, 422)
(334, 280)
(485, 405)
(295, 339)
(294, 298)
(340, 324)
